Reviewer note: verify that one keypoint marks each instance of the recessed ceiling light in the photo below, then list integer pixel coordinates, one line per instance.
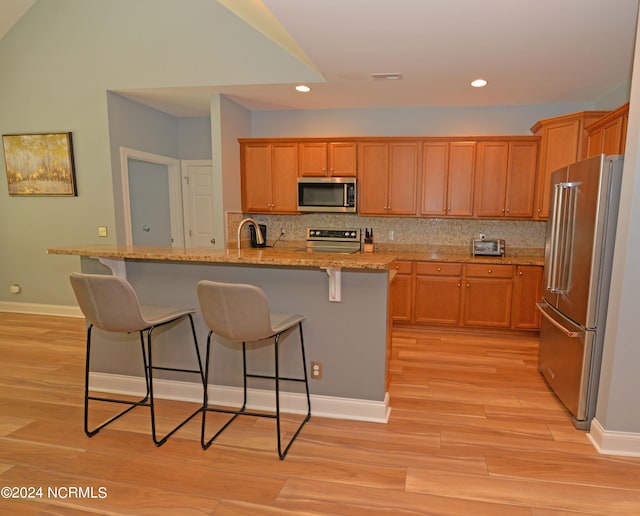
(478, 83)
(303, 88)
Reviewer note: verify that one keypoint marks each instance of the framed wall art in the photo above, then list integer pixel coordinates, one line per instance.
(39, 164)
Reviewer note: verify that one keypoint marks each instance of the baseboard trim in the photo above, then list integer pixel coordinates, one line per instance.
(40, 309)
(614, 443)
(258, 399)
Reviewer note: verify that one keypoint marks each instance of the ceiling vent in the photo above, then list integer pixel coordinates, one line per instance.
(386, 76)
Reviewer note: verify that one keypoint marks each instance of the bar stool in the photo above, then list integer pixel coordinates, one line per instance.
(110, 304)
(240, 313)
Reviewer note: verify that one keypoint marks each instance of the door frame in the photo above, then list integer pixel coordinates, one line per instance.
(186, 201)
(175, 192)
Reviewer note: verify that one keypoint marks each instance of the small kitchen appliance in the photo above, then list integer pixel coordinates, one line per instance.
(253, 236)
(488, 247)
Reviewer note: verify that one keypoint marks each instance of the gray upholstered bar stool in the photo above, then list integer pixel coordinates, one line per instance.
(240, 313)
(110, 304)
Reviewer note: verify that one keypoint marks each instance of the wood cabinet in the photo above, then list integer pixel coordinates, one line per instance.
(269, 173)
(468, 295)
(438, 293)
(402, 291)
(562, 141)
(506, 173)
(487, 295)
(448, 178)
(388, 174)
(608, 135)
(327, 159)
(526, 294)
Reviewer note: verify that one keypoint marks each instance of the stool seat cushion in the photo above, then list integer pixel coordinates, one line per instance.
(240, 312)
(111, 304)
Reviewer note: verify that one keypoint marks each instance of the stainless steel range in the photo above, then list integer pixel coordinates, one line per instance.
(333, 240)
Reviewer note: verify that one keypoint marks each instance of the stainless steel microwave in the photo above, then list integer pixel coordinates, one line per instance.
(330, 194)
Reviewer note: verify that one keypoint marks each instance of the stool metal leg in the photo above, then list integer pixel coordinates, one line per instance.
(283, 454)
(133, 404)
(242, 411)
(148, 400)
(151, 367)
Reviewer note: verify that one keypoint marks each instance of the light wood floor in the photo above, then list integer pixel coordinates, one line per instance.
(473, 431)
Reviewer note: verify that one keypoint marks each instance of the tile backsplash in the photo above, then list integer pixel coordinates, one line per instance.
(431, 231)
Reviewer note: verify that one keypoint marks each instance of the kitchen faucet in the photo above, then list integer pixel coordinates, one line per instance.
(249, 220)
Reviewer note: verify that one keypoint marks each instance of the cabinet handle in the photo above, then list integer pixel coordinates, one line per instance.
(459, 285)
(439, 269)
(489, 271)
(467, 285)
(520, 273)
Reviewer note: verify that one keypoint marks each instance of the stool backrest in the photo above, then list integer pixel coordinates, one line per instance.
(108, 302)
(235, 311)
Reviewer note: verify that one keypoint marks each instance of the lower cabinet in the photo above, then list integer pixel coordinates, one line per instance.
(437, 298)
(467, 295)
(487, 295)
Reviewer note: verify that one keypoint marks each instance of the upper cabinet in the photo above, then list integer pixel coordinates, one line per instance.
(269, 174)
(448, 175)
(562, 141)
(506, 173)
(388, 178)
(327, 159)
(608, 134)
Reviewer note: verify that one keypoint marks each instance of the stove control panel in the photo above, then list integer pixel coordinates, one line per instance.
(336, 235)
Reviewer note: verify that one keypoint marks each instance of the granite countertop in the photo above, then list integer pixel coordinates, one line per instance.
(290, 256)
(281, 256)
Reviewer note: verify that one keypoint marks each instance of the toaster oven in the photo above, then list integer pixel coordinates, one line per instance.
(488, 247)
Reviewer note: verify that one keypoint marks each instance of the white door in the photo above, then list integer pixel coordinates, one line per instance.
(197, 199)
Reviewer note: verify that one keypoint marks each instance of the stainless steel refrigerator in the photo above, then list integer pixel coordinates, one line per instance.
(578, 256)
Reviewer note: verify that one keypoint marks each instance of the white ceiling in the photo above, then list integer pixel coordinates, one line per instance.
(530, 51)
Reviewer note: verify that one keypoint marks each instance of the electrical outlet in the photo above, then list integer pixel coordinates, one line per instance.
(316, 370)
(102, 231)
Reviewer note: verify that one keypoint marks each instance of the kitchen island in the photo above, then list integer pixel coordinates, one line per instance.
(343, 296)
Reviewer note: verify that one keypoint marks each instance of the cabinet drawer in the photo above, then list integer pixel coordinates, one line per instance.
(439, 268)
(402, 267)
(477, 270)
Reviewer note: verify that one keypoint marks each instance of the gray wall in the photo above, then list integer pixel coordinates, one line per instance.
(58, 63)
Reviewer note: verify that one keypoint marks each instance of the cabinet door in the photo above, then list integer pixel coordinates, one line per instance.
(403, 179)
(402, 292)
(612, 137)
(373, 163)
(521, 179)
(487, 295)
(313, 159)
(437, 293)
(256, 178)
(487, 302)
(435, 166)
(559, 148)
(491, 186)
(284, 177)
(527, 293)
(342, 159)
(461, 179)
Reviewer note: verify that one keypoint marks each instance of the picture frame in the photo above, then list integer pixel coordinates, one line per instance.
(39, 164)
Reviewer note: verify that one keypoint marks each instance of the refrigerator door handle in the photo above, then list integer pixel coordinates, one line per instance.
(564, 330)
(552, 278)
